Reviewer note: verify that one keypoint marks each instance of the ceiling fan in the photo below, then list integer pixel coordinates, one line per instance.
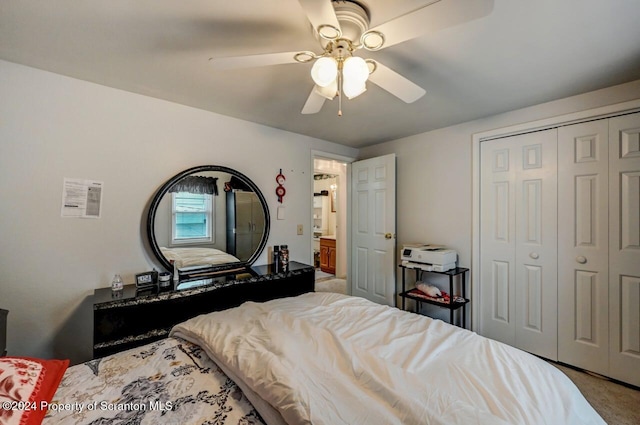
(342, 27)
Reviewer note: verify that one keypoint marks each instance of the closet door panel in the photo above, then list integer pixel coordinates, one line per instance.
(518, 248)
(583, 262)
(497, 293)
(536, 243)
(624, 248)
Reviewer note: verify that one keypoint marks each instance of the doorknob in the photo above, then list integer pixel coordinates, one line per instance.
(581, 259)
(534, 255)
(388, 235)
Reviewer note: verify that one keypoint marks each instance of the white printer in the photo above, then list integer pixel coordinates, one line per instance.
(436, 258)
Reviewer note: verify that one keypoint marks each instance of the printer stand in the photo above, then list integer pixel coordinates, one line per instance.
(454, 303)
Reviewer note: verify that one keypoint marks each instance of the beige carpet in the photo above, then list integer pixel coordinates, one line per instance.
(616, 403)
(331, 285)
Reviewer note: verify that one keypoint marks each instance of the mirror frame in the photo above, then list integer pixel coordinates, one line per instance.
(164, 189)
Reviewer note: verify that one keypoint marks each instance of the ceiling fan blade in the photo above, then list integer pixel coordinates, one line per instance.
(320, 12)
(396, 84)
(235, 62)
(314, 103)
(435, 16)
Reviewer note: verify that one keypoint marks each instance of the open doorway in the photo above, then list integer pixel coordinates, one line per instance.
(329, 224)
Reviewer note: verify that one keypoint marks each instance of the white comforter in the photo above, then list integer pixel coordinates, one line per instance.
(323, 358)
(187, 257)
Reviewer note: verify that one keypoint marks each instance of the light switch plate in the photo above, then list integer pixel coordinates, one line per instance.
(300, 229)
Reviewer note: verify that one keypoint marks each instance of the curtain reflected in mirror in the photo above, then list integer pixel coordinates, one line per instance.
(196, 227)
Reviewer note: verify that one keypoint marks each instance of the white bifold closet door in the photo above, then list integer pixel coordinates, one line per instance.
(624, 248)
(599, 247)
(583, 245)
(518, 241)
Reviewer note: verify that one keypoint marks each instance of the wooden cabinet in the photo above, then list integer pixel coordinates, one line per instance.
(328, 255)
(245, 224)
(133, 318)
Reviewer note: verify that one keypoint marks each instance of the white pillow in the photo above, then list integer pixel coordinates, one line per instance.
(430, 290)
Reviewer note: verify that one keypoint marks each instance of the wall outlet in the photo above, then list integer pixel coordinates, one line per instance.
(300, 229)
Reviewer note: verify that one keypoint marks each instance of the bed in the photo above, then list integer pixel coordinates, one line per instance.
(188, 257)
(320, 358)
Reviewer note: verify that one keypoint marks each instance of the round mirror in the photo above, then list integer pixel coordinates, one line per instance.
(208, 219)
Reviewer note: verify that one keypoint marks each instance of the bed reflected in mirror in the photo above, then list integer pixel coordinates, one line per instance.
(207, 219)
(196, 256)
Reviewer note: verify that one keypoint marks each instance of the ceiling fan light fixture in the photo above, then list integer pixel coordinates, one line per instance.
(328, 92)
(353, 89)
(324, 71)
(355, 70)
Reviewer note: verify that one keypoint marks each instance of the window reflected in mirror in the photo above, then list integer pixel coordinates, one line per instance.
(192, 218)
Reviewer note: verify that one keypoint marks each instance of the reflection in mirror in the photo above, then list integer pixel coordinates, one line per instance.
(245, 273)
(207, 219)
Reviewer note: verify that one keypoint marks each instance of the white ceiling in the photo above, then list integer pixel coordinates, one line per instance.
(524, 53)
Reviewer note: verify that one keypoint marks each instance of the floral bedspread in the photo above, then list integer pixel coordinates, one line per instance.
(167, 382)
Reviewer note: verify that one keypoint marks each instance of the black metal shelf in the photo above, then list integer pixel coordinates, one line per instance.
(454, 303)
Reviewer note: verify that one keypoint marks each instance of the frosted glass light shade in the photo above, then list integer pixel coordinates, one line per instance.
(352, 88)
(324, 71)
(355, 69)
(329, 91)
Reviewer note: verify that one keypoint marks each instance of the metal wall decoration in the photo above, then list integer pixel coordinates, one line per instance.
(280, 190)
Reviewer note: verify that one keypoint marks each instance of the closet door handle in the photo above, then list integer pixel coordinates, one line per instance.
(581, 259)
(534, 255)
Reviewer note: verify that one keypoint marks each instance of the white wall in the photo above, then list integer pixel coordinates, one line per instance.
(53, 127)
(434, 195)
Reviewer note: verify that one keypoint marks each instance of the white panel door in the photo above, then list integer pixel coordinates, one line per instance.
(624, 248)
(518, 248)
(373, 229)
(537, 244)
(497, 240)
(583, 245)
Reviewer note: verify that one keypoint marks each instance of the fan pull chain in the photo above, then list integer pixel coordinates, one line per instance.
(340, 93)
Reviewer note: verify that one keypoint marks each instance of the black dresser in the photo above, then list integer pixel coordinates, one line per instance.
(3, 332)
(136, 317)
